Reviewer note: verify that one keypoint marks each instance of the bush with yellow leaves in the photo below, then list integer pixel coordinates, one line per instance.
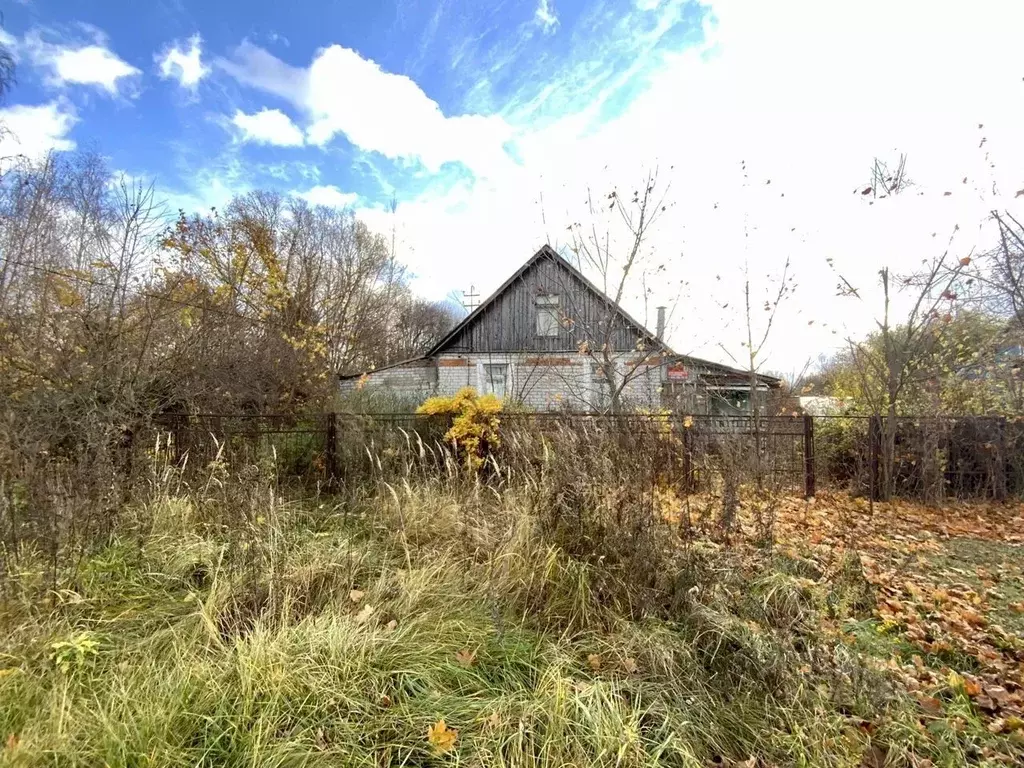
(474, 423)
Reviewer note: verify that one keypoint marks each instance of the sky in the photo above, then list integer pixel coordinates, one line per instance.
(492, 124)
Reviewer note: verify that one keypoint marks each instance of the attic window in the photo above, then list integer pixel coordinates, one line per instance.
(548, 319)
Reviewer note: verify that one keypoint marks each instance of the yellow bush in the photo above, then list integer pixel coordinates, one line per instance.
(474, 422)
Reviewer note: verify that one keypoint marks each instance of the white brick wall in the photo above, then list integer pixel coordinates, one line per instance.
(543, 382)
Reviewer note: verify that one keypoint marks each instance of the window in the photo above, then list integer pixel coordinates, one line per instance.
(495, 379)
(548, 319)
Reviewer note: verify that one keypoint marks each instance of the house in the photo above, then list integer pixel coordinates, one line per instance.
(550, 339)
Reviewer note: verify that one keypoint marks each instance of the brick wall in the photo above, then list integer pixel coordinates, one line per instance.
(550, 382)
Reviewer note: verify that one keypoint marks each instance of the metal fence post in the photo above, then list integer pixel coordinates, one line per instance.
(687, 457)
(1002, 467)
(875, 439)
(809, 479)
(331, 449)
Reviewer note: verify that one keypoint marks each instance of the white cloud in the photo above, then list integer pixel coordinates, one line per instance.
(268, 126)
(92, 65)
(329, 195)
(184, 65)
(794, 91)
(377, 111)
(546, 17)
(32, 131)
(253, 66)
(75, 62)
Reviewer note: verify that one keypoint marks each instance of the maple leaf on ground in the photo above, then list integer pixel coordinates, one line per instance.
(466, 657)
(594, 661)
(630, 665)
(355, 595)
(441, 737)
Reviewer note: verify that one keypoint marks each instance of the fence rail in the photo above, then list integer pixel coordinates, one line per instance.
(932, 457)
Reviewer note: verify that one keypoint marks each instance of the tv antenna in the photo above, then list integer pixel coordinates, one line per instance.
(470, 299)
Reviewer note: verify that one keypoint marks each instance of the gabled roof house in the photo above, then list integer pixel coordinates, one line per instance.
(550, 339)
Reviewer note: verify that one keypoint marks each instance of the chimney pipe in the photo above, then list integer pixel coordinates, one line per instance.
(660, 328)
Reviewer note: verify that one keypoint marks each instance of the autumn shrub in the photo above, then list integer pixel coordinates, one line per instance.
(474, 421)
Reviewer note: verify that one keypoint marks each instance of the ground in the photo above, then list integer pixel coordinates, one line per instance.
(948, 617)
(426, 626)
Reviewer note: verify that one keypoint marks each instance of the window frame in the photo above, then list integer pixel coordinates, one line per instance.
(549, 318)
(487, 380)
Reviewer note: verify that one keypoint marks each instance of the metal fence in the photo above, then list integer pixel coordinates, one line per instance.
(932, 457)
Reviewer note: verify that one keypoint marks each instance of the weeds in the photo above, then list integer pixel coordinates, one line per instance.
(541, 618)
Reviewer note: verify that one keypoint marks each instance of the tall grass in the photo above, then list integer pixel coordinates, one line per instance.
(224, 625)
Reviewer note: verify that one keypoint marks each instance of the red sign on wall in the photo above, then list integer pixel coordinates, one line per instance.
(678, 373)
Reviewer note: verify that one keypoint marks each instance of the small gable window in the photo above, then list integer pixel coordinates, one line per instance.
(548, 316)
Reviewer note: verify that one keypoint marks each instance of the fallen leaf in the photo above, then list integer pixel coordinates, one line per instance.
(630, 665)
(1017, 607)
(974, 618)
(441, 737)
(466, 657)
(364, 615)
(998, 694)
(594, 661)
(12, 741)
(385, 700)
(391, 626)
(493, 721)
(997, 725)
(972, 688)
(930, 704)
(874, 757)
(355, 595)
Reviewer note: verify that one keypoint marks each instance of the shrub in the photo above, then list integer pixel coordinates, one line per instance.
(474, 423)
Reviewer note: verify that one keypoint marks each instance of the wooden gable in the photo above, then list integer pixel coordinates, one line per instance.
(508, 320)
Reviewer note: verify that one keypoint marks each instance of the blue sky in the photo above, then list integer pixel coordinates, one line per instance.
(492, 124)
(514, 63)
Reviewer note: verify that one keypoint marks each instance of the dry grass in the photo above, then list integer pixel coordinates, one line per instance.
(275, 632)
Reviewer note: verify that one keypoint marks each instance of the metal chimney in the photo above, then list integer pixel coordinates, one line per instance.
(660, 328)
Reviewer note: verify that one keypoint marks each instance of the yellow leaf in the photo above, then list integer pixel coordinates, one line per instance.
(441, 737)
(355, 595)
(594, 661)
(630, 665)
(466, 657)
(688, 422)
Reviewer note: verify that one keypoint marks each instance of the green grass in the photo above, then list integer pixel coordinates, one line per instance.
(186, 647)
(960, 561)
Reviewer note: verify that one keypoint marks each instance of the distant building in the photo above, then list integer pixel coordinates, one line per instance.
(536, 341)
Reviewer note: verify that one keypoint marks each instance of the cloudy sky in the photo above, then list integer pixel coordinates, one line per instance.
(490, 122)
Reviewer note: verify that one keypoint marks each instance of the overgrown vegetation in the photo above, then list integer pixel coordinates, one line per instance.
(540, 619)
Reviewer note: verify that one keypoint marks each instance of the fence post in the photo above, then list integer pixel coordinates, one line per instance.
(1002, 468)
(875, 439)
(687, 457)
(331, 449)
(809, 479)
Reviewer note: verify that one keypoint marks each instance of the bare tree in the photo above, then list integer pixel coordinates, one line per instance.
(619, 264)
(886, 369)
